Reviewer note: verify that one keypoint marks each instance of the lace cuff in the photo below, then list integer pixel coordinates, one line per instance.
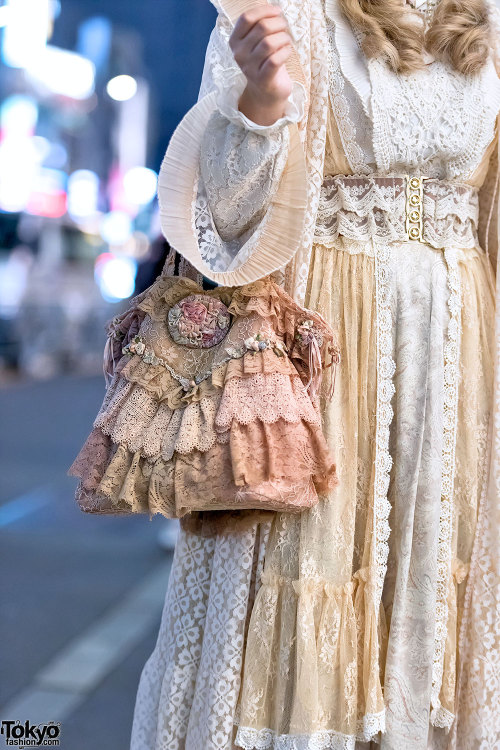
(230, 88)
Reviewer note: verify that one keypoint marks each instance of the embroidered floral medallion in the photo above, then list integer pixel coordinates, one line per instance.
(198, 321)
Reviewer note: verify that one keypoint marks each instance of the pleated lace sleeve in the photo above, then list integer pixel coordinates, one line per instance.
(232, 193)
(488, 173)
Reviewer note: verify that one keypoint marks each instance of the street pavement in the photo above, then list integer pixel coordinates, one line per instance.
(80, 595)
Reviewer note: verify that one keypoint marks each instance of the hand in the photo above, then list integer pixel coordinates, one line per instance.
(261, 45)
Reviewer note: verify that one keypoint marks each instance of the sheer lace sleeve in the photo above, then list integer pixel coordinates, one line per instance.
(232, 193)
(241, 169)
(488, 225)
(241, 162)
(478, 696)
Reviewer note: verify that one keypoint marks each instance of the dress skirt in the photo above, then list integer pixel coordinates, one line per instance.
(331, 629)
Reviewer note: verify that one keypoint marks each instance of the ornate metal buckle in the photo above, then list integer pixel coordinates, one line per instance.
(415, 207)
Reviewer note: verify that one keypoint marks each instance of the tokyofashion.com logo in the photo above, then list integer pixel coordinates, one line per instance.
(30, 735)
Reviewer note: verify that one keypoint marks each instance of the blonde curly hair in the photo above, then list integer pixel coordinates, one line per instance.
(459, 32)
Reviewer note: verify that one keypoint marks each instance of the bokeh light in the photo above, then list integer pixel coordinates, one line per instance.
(115, 276)
(18, 116)
(83, 193)
(25, 33)
(64, 73)
(122, 88)
(116, 227)
(140, 185)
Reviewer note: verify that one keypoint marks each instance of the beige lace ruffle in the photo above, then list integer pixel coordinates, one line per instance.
(321, 638)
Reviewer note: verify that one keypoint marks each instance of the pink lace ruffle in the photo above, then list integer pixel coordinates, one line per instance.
(265, 398)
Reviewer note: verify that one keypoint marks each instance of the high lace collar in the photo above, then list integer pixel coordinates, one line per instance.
(420, 5)
(425, 7)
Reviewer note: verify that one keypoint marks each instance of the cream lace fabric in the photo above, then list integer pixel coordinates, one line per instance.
(372, 618)
(234, 206)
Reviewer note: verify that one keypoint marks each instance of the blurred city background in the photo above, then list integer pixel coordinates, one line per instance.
(90, 93)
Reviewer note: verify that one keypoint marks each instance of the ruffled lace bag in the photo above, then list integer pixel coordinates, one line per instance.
(211, 412)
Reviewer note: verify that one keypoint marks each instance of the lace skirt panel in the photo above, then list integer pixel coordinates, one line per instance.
(269, 638)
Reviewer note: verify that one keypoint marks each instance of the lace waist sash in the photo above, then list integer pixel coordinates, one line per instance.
(394, 209)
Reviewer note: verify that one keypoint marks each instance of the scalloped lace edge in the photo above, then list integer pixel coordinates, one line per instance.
(386, 368)
(340, 105)
(267, 739)
(440, 716)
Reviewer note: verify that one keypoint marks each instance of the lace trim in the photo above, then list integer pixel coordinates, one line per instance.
(440, 716)
(478, 575)
(351, 58)
(309, 27)
(274, 242)
(385, 390)
(362, 208)
(267, 398)
(154, 430)
(340, 106)
(494, 16)
(149, 357)
(263, 739)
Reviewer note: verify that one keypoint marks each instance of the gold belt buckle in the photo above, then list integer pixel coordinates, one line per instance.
(415, 207)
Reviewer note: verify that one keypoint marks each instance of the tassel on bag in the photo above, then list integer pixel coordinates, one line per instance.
(120, 331)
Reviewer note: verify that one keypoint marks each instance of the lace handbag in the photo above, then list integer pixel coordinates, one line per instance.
(211, 407)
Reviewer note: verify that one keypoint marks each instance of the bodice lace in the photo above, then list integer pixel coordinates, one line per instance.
(435, 121)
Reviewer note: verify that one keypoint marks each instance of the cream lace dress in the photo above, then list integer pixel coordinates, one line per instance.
(342, 626)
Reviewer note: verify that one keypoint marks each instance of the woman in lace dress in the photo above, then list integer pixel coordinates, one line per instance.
(361, 168)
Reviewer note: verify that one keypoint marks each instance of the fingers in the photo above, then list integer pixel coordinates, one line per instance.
(261, 44)
(258, 35)
(273, 62)
(251, 28)
(266, 48)
(262, 29)
(271, 44)
(248, 19)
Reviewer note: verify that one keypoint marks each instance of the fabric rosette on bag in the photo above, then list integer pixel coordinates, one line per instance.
(212, 407)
